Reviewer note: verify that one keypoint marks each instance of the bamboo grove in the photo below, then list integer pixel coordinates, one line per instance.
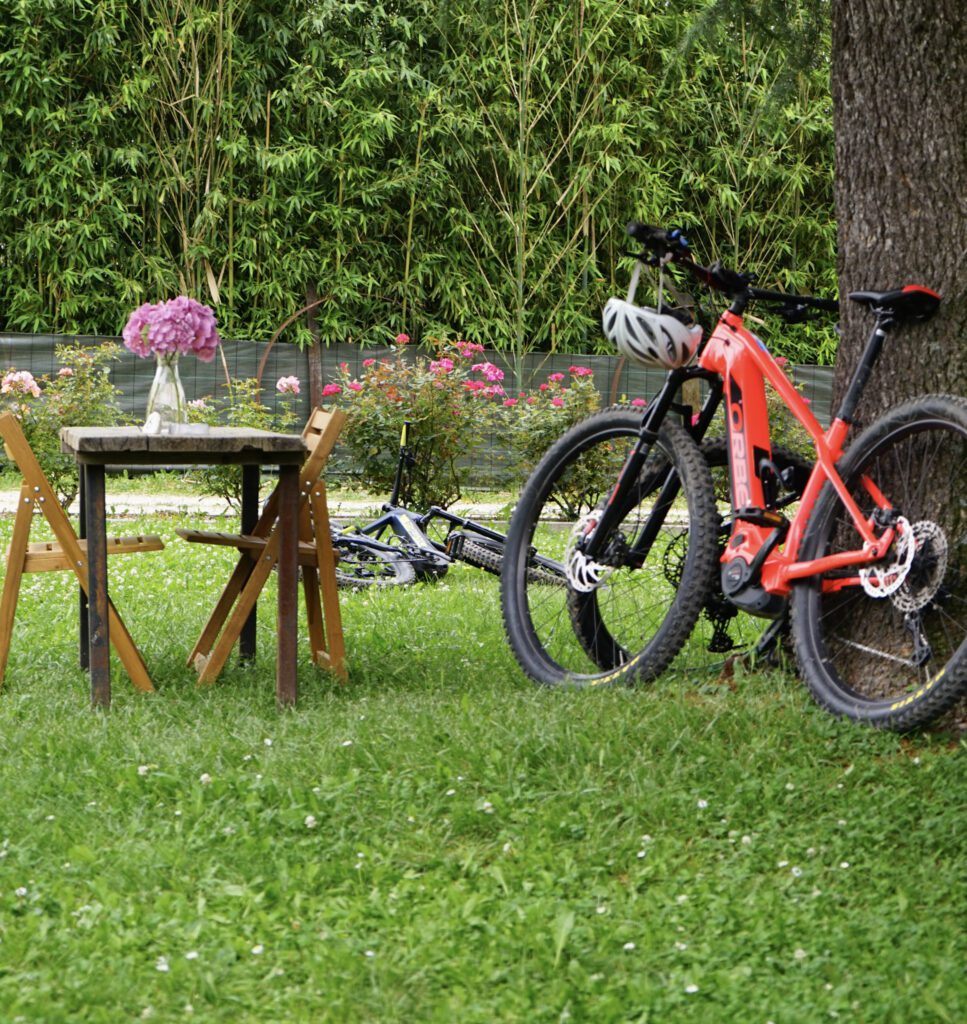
(457, 168)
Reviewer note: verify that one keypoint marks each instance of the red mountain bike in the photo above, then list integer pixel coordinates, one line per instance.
(871, 559)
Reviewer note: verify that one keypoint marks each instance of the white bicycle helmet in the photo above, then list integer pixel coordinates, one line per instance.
(649, 337)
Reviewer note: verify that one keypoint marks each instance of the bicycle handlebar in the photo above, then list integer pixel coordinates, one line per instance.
(673, 244)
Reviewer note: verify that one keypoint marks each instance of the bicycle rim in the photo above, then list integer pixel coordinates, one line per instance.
(629, 625)
(896, 660)
(361, 566)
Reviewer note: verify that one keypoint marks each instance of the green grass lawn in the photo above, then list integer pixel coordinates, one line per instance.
(441, 841)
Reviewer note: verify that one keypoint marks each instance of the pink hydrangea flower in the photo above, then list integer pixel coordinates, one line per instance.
(175, 327)
(20, 382)
(288, 386)
(580, 371)
(331, 389)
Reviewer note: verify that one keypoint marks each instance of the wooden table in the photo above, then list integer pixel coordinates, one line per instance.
(95, 448)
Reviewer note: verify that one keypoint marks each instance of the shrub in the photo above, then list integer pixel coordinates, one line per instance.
(535, 420)
(242, 406)
(447, 398)
(80, 394)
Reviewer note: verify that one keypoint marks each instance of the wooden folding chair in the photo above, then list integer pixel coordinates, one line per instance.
(258, 554)
(66, 553)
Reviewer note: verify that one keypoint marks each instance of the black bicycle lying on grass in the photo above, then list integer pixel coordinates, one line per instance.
(400, 546)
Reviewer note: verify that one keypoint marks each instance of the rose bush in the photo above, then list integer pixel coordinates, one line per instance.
(450, 398)
(532, 421)
(80, 394)
(242, 406)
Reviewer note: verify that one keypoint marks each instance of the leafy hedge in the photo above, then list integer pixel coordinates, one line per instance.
(440, 169)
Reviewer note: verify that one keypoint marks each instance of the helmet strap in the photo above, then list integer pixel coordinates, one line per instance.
(661, 280)
(633, 287)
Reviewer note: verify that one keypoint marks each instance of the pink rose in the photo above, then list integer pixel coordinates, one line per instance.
(331, 389)
(287, 385)
(402, 339)
(558, 402)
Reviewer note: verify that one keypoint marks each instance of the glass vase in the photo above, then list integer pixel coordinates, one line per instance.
(166, 399)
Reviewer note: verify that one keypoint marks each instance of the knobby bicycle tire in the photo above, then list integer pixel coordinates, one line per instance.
(482, 554)
(896, 661)
(488, 554)
(630, 626)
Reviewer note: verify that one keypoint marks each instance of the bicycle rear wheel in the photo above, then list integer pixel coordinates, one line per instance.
(360, 565)
(895, 659)
(629, 625)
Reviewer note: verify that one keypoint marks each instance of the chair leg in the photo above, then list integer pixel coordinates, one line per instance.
(11, 583)
(258, 574)
(317, 631)
(326, 561)
(236, 583)
(127, 650)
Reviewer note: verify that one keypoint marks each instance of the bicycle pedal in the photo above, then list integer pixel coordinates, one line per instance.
(767, 517)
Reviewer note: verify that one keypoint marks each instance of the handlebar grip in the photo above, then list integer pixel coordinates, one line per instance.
(658, 239)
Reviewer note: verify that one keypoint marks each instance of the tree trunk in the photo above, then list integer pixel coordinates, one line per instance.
(899, 83)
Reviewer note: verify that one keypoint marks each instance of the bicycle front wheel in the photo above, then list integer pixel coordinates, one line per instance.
(891, 650)
(644, 596)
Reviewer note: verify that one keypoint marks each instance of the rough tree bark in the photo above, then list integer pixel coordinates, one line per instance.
(900, 112)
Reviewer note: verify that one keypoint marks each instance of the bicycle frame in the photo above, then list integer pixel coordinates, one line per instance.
(744, 365)
(428, 555)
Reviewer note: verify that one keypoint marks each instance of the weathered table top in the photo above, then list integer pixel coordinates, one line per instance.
(234, 445)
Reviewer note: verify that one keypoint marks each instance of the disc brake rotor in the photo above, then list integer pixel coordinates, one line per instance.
(884, 580)
(583, 574)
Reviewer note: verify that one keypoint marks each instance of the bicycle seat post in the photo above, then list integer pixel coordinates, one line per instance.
(861, 375)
